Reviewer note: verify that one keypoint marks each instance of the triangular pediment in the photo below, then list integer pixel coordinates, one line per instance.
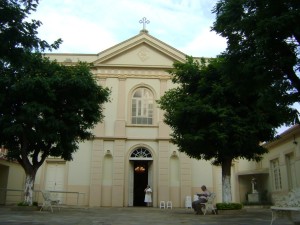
(142, 50)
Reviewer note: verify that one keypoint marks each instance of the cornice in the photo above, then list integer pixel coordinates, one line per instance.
(288, 135)
(132, 139)
(127, 76)
(131, 73)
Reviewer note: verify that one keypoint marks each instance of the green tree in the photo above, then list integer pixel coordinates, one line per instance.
(213, 119)
(18, 34)
(46, 109)
(263, 35)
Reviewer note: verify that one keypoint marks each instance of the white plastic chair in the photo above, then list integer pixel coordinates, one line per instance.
(195, 198)
(162, 204)
(188, 202)
(209, 204)
(48, 201)
(169, 205)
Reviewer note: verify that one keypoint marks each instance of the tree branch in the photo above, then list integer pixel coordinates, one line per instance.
(292, 76)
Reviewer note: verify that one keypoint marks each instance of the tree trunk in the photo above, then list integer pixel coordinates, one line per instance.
(30, 171)
(226, 184)
(28, 191)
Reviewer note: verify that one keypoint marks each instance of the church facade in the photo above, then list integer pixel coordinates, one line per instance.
(131, 147)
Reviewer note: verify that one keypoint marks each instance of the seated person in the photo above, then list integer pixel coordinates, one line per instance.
(196, 205)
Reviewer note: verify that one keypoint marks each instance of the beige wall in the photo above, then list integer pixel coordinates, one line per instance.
(12, 178)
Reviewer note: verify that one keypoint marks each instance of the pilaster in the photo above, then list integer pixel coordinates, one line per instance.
(120, 121)
(96, 173)
(163, 171)
(164, 129)
(118, 174)
(186, 177)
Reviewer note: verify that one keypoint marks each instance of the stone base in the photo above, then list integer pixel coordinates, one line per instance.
(253, 198)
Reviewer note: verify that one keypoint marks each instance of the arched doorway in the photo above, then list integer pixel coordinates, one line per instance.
(140, 181)
(140, 175)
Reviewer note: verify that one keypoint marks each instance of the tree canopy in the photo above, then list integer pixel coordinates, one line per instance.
(212, 119)
(46, 108)
(263, 36)
(18, 34)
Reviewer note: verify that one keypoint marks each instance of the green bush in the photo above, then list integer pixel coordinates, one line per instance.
(26, 204)
(229, 206)
(23, 204)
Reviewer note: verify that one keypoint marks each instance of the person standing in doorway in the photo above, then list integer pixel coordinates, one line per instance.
(148, 198)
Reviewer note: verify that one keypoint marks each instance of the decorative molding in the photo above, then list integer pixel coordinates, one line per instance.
(141, 153)
(165, 77)
(132, 73)
(143, 54)
(108, 152)
(53, 159)
(174, 153)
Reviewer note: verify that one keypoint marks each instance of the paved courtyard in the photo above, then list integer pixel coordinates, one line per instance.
(135, 216)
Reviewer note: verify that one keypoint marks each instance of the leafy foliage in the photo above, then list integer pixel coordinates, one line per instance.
(229, 206)
(23, 204)
(213, 117)
(18, 34)
(27, 204)
(48, 108)
(263, 37)
(212, 120)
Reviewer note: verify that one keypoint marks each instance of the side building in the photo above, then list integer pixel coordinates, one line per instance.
(276, 174)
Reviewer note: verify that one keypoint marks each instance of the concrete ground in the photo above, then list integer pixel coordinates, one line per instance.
(135, 216)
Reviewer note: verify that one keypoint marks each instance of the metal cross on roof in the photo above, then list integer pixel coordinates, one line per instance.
(144, 21)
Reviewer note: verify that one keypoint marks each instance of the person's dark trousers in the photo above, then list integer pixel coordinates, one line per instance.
(196, 205)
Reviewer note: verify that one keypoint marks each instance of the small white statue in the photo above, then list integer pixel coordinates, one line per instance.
(253, 181)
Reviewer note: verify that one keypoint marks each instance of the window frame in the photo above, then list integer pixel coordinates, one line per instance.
(276, 174)
(142, 109)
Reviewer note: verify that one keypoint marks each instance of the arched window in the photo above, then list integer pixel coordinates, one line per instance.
(142, 106)
(141, 154)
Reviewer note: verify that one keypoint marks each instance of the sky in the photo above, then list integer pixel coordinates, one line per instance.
(92, 26)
